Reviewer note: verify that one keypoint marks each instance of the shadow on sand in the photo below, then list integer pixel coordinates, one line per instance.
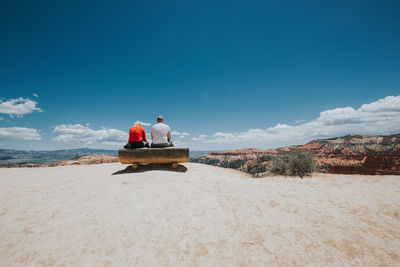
(152, 167)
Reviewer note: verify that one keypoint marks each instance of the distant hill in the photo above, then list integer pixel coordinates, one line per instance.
(352, 154)
(16, 157)
(9, 157)
(194, 155)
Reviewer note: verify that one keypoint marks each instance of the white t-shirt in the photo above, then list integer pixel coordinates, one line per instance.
(160, 131)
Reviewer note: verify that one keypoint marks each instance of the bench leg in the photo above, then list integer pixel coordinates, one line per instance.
(135, 165)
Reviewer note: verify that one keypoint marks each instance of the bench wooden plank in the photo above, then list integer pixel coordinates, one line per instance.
(154, 155)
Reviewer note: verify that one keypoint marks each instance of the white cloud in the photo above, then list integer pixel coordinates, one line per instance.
(180, 134)
(35, 95)
(144, 123)
(380, 117)
(18, 107)
(77, 133)
(19, 133)
(114, 144)
(200, 138)
(388, 104)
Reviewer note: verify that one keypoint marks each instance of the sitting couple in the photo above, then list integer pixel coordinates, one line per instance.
(160, 135)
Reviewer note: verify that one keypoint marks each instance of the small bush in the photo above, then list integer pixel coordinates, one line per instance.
(213, 162)
(301, 163)
(235, 164)
(254, 169)
(280, 165)
(264, 158)
(298, 163)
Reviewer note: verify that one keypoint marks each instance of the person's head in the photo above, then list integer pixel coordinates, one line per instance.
(138, 123)
(160, 118)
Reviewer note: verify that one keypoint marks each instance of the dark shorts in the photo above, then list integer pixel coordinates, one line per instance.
(133, 145)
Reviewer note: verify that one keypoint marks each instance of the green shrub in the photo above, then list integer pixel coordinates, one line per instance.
(264, 158)
(280, 165)
(253, 169)
(235, 164)
(301, 163)
(298, 163)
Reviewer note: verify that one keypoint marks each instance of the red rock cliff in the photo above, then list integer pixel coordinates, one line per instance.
(346, 155)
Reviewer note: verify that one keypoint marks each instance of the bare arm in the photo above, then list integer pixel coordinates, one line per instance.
(169, 136)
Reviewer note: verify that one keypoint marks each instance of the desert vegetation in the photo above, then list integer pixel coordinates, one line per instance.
(351, 154)
(297, 163)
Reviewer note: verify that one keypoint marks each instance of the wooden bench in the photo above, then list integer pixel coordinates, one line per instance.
(168, 155)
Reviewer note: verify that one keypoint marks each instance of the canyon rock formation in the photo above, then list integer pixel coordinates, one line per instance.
(353, 154)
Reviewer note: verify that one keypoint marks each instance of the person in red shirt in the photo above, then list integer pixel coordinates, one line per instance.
(137, 137)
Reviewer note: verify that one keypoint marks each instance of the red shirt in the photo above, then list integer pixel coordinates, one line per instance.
(137, 134)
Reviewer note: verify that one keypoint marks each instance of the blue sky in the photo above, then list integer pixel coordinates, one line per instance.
(225, 74)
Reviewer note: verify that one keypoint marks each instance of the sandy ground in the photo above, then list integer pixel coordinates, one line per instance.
(84, 215)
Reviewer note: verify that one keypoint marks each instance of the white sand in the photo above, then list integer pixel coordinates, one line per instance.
(83, 215)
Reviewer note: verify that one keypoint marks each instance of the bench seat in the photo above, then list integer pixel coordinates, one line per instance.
(153, 155)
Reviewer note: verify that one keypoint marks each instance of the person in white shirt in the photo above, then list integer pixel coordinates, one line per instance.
(160, 134)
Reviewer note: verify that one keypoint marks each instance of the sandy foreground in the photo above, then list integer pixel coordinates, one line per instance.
(84, 215)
